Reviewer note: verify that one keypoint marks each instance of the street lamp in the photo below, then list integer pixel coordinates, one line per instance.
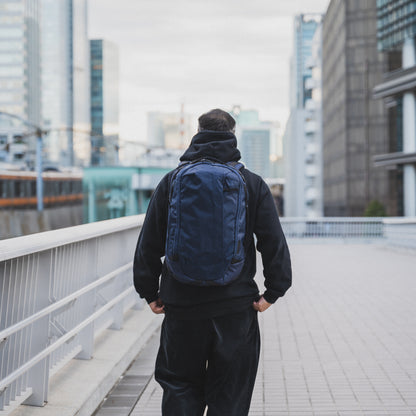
(39, 133)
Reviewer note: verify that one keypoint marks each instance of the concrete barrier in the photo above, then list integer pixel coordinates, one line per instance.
(16, 223)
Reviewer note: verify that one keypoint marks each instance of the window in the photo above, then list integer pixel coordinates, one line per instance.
(32, 190)
(17, 188)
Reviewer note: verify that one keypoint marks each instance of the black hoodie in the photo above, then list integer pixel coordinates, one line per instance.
(191, 302)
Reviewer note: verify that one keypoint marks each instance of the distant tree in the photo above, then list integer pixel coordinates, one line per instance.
(375, 209)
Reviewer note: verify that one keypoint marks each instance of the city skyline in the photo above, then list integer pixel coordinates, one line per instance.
(203, 55)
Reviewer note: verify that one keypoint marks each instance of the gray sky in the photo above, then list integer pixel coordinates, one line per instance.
(205, 53)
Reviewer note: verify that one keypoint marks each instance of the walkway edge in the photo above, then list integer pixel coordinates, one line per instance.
(79, 387)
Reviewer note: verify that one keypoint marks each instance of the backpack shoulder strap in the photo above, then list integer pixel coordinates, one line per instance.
(174, 174)
(237, 165)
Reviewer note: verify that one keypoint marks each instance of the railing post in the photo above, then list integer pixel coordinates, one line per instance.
(38, 375)
(117, 310)
(4, 310)
(86, 339)
(88, 304)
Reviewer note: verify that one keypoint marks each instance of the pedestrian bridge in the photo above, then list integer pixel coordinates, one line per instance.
(73, 332)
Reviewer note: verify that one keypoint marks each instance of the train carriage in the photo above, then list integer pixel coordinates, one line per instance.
(18, 189)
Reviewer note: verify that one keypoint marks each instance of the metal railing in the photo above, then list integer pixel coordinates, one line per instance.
(400, 232)
(391, 231)
(339, 228)
(58, 291)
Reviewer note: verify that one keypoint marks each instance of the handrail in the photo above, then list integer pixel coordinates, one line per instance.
(34, 243)
(59, 304)
(86, 272)
(44, 353)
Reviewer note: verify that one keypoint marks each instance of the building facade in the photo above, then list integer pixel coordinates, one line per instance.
(104, 103)
(353, 123)
(305, 26)
(65, 82)
(20, 83)
(396, 38)
(57, 103)
(169, 130)
(302, 137)
(294, 156)
(255, 139)
(44, 78)
(81, 90)
(254, 144)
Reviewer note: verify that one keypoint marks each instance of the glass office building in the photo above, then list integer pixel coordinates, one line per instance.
(81, 84)
(254, 144)
(20, 68)
(396, 21)
(56, 80)
(104, 102)
(396, 34)
(65, 82)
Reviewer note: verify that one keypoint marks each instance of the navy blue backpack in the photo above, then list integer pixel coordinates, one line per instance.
(206, 223)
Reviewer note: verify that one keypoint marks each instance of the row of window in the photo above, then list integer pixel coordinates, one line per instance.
(17, 188)
(390, 23)
(384, 6)
(390, 40)
(395, 20)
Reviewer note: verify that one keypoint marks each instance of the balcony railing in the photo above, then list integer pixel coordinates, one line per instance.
(398, 232)
(58, 291)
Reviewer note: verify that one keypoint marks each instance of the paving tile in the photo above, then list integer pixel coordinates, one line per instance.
(342, 342)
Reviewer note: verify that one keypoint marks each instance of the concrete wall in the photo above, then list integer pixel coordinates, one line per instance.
(354, 125)
(15, 223)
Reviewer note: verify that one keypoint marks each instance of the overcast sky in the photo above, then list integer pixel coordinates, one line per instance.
(205, 53)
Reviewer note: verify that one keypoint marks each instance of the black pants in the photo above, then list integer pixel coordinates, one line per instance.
(208, 362)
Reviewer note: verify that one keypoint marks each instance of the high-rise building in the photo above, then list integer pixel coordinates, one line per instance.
(104, 102)
(81, 89)
(57, 102)
(254, 144)
(354, 124)
(396, 33)
(302, 137)
(254, 140)
(65, 82)
(20, 83)
(169, 130)
(305, 27)
(313, 131)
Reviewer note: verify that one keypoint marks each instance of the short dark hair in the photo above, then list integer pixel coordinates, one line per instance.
(217, 120)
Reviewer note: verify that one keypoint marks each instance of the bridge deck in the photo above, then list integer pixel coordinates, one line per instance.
(343, 340)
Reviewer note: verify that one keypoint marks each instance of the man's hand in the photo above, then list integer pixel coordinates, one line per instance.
(261, 305)
(157, 306)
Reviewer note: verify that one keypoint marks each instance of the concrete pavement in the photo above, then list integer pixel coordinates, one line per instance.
(342, 342)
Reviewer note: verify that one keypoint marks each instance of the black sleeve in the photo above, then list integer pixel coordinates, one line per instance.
(147, 265)
(272, 245)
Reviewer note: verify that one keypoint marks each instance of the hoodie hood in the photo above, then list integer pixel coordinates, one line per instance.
(220, 145)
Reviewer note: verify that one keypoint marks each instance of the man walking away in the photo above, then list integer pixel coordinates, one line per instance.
(202, 219)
